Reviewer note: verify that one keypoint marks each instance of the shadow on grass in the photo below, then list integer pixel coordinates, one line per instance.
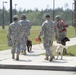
(69, 54)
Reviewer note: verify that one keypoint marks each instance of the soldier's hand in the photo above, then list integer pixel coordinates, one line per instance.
(38, 39)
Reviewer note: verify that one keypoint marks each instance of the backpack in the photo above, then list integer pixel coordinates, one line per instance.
(64, 26)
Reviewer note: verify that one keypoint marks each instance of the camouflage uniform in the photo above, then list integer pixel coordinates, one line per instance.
(60, 30)
(14, 33)
(26, 29)
(47, 30)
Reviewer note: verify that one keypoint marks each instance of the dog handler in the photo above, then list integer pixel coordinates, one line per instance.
(26, 29)
(47, 30)
(60, 30)
(14, 33)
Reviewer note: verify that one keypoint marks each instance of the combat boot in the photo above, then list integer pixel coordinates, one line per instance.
(21, 52)
(51, 58)
(46, 58)
(17, 56)
(24, 52)
(13, 56)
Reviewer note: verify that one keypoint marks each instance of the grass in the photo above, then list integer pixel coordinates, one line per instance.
(71, 50)
(70, 32)
(33, 34)
(3, 38)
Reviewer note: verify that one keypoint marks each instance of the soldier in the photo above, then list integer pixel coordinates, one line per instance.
(60, 29)
(26, 29)
(47, 30)
(15, 34)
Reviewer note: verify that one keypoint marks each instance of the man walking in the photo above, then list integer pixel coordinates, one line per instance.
(47, 30)
(14, 33)
(26, 29)
(60, 29)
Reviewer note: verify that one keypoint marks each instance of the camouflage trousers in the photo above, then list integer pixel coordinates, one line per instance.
(15, 47)
(60, 38)
(23, 44)
(47, 44)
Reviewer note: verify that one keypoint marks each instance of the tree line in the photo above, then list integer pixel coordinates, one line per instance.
(36, 16)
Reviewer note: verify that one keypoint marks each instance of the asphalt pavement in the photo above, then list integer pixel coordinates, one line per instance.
(35, 60)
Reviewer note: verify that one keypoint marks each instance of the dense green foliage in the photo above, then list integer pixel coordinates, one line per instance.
(36, 16)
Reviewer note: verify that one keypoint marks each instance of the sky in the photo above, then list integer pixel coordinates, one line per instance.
(40, 4)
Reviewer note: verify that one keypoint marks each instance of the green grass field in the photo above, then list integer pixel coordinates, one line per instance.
(34, 33)
(71, 50)
(3, 36)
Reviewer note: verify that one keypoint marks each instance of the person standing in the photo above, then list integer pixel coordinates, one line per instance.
(15, 34)
(60, 30)
(26, 29)
(47, 30)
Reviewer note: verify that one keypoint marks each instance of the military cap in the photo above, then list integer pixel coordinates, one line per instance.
(58, 16)
(24, 16)
(47, 15)
(15, 16)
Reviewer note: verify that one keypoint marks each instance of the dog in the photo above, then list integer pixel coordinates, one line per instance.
(59, 48)
(29, 45)
(63, 42)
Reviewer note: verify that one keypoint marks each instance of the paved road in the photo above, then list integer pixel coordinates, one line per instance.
(34, 72)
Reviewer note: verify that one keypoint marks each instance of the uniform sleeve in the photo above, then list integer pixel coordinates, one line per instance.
(55, 30)
(54, 24)
(21, 31)
(29, 24)
(61, 26)
(8, 33)
(42, 30)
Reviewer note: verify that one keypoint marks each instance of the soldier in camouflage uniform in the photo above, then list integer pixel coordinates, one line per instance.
(15, 34)
(60, 29)
(47, 30)
(26, 29)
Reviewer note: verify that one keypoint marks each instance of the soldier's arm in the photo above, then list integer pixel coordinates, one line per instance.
(42, 30)
(29, 25)
(8, 33)
(61, 26)
(55, 30)
(21, 31)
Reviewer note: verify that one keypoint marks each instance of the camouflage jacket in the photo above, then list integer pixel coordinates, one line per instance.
(47, 30)
(25, 27)
(14, 31)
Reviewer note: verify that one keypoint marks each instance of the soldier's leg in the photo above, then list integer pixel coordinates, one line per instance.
(17, 50)
(50, 45)
(13, 53)
(13, 50)
(47, 57)
(23, 45)
(47, 48)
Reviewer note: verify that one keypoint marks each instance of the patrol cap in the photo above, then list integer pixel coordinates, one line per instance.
(15, 17)
(24, 16)
(47, 15)
(58, 17)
